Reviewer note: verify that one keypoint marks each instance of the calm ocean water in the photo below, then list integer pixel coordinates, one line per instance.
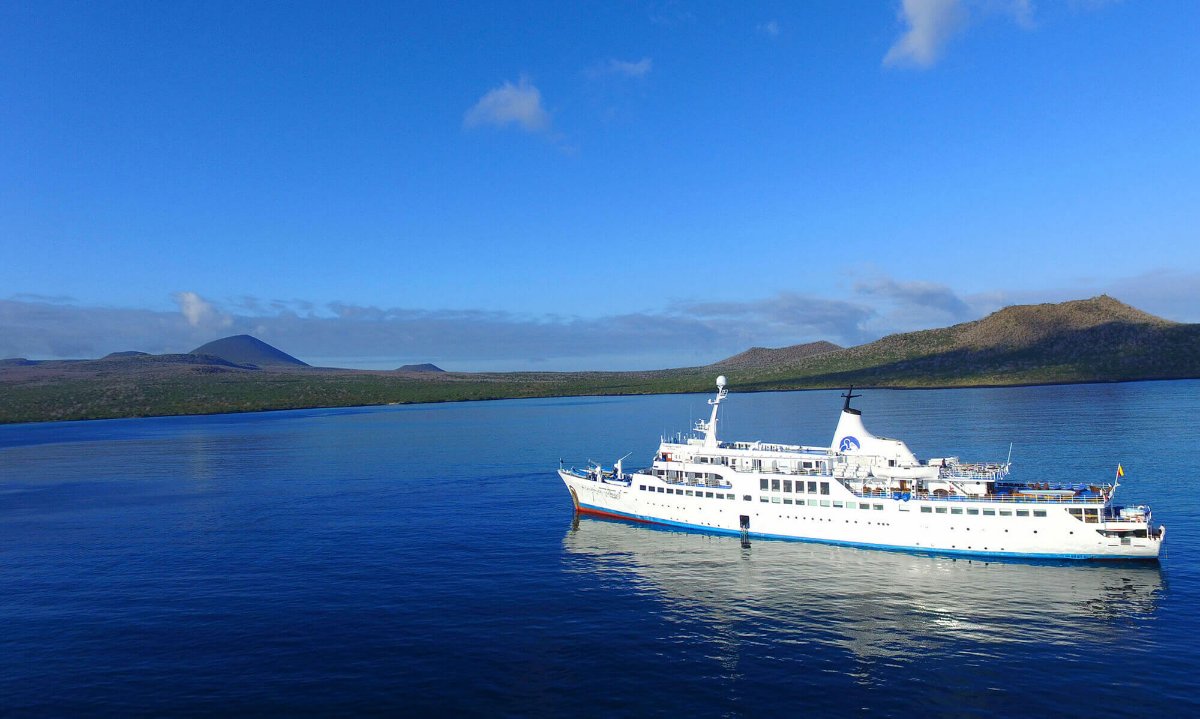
(426, 559)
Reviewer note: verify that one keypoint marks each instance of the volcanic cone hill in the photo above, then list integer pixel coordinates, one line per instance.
(247, 350)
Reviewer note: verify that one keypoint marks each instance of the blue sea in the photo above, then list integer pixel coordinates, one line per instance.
(425, 560)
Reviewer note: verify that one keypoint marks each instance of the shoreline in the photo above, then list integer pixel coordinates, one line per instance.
(745, 388)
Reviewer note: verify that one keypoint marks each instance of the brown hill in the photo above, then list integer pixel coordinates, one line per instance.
(424, 367)
(760, 357)
(1098, 339)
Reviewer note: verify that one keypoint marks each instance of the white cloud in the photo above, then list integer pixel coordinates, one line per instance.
(510, 104)
(628, 68)
(199, 312)
(931, 24)
(770, 27)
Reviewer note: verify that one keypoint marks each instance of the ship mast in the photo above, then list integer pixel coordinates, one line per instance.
(710, 429)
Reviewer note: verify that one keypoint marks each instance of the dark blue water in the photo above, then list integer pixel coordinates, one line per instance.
(426, 559)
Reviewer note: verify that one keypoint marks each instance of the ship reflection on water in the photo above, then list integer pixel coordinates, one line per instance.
(888, 607)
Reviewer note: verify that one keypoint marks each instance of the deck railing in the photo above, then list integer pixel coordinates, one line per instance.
(1004, 498)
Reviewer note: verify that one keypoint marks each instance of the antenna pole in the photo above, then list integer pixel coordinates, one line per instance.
(849, 395)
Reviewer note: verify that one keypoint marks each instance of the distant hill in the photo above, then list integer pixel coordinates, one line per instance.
(247, 350)
(1094, 340)
(127, 353)
(758, 357)
(425, 367)
(1098, 339)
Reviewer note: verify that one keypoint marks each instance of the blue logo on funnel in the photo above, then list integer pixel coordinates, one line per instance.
(849, 444)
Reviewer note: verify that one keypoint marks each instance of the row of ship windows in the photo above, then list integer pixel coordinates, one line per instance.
(842, 505)
(765, 500)
(984, 512)
(774, 485)
(690, 493)
(836, 504)
(806, 467)
(676, 474)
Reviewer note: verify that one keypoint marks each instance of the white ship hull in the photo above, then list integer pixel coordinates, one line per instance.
(864, 491)
(896, 524)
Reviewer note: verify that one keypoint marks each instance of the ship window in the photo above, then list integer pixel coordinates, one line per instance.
(763, 484)
(851, 505)
(989, 513)
(972, 511)
(1076, 512)
(824, 487)
(745, 497)
(704, 460)
(879, 507)
(812, 487)
(730, 496)
(774, 485)
(763, 499)
(787, 500)
(927, 510)
(787, 485)
(838, 505)
(824, 502)
(708, 495)
(661, 490)
(642, 487)
(1022, 512)
(774, 500)
(670, 491)
(940, 510)
(1039, 513)
(956, 510)
(1005, 512)
(688, 492)
(864, 505)
(891, 463)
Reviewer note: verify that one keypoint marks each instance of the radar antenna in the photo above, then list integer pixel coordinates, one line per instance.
(849, 395)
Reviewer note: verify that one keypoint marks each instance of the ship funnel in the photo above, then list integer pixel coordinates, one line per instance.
(852, 437)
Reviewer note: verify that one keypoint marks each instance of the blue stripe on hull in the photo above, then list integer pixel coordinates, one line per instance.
(861, 545)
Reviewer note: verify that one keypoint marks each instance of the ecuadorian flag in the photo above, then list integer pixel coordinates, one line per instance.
(1120, 471)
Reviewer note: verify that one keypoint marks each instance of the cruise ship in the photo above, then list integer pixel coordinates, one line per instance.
(864, 491)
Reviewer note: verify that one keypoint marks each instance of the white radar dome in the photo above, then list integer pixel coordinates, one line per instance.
(720, 381)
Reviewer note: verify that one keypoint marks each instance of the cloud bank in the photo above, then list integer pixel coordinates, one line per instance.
(681, 334)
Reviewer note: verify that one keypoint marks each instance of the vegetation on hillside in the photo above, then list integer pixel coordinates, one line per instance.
(1096, 340)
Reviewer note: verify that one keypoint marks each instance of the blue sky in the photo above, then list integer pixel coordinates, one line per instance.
(608, 185)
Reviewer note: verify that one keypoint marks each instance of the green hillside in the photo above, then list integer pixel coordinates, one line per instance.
(1095, 340)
